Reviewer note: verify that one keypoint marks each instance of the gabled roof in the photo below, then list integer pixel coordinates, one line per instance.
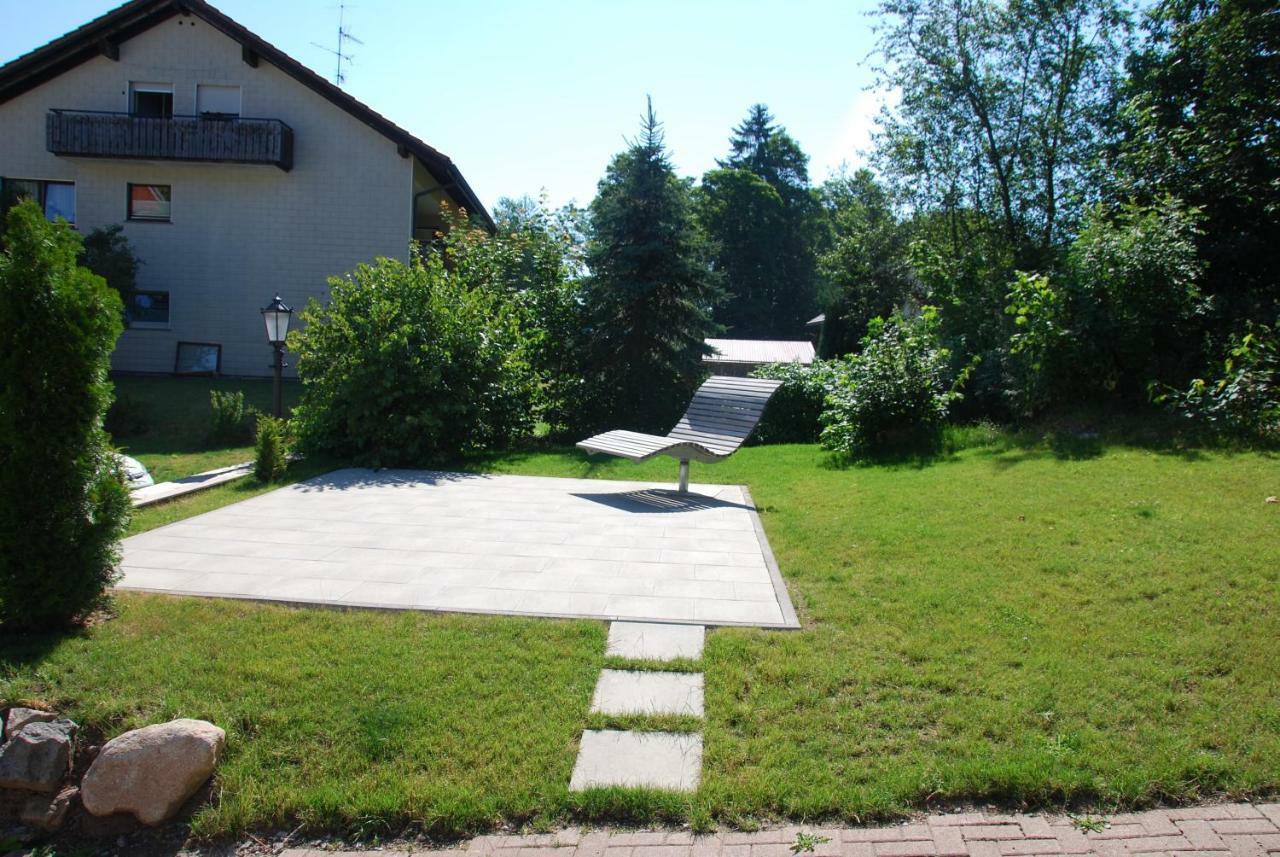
(103, 36)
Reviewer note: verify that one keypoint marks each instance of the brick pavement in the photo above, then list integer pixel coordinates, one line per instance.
(1223, 830)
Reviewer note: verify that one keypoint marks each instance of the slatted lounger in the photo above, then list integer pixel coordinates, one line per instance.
(720, 418)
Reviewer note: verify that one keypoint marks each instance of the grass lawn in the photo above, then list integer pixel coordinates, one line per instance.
(1015, 622)
(177, 413)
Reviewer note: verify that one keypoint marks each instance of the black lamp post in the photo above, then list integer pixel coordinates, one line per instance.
(276, 315)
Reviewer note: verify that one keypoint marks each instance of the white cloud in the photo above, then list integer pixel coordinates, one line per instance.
(851, 143)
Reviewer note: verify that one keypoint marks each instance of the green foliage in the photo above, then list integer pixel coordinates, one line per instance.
(1003, 109)
(896, 394)
(762, 219)
(1113, 321)
(108, 253)
(63, 503)
(270, 456)
(228, 417)
(410, 364)
(793, 414)
(1244, 399)
(1200, 125)
(864, 273)
(536, 257)
(650, 294)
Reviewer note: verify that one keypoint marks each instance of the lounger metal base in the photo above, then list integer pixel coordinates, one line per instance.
(684, 476)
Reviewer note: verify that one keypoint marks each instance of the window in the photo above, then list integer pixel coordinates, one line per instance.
(150, 202)
(58, 199)
(146, 309)
(151, 99)
(217, 100)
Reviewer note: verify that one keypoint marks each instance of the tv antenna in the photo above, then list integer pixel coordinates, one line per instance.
(344, 36)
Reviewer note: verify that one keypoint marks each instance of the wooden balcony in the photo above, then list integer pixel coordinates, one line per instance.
(94, 134)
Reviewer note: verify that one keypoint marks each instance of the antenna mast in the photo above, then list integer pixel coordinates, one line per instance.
(344, 36)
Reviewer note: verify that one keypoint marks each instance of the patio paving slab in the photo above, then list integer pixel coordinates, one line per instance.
(654, 641)
(635, 692)
(661, 760)
(429, 540)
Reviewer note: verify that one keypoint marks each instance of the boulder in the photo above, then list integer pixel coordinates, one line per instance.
(19, 717)
(37, 757)
(46, 813)
(150, 772)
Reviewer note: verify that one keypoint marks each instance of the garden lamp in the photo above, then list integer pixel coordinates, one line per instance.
(276, 316)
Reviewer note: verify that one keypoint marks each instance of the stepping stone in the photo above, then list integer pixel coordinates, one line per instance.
(660, 760)
(655, 641)
(631, 692)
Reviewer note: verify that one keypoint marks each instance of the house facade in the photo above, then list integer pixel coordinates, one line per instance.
(236, 174)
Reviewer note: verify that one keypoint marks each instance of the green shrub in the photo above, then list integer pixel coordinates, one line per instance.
(229, 417)
(63, 503)
(270, 455)
(896, 394)
(128, 416)
(794, 413)
(410, 364)
(1244, 400)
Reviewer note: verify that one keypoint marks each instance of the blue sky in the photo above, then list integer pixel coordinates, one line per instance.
(533, 94)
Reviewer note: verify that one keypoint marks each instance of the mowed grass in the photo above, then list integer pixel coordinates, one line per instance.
(176, 441)
(357, 721)
(1032, 623)
(1008, 623)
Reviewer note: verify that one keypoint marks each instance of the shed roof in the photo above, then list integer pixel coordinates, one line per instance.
(759, 351)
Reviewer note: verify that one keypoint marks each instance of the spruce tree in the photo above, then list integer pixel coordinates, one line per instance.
(651, 292)
(761, 216)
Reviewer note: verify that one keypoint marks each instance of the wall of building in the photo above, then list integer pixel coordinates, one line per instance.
(239, 233)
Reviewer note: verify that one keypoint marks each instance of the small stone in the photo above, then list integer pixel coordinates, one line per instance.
(150, 772)
(48, 814)
(37, 758)
(19, 717)
(1273, 499)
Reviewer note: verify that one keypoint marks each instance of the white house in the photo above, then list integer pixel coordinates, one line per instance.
(236, 173)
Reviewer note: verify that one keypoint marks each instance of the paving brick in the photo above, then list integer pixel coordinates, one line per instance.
(1242, 810)
(1035, 827)
(1072, 840)
(1119, 831)
(1269, 841)
(1018, 847)
(1201, 834)
(949, 840)
(771, 849)
(957, 818)
(872, 834)
(906, 848)
(1271, 811)
(1243, 845)
(1244, 825)
(1158, 823)
(661, 851)
(1201, 813)
(992, 831)
(1148, 844)
(706, 846)
(857, 849)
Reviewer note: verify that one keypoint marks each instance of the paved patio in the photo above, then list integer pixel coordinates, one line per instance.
(464, 542)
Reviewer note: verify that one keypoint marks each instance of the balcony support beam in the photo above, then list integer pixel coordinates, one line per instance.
(249, 56)
(109, 49)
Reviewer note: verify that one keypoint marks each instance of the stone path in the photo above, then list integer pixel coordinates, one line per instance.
(1224, 830)
(162, 491)
(662, 760)
(528, 545)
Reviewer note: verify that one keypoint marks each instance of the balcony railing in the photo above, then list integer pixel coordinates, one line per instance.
(95, 134)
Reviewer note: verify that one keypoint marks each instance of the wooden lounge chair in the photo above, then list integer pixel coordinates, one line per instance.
(719, 420)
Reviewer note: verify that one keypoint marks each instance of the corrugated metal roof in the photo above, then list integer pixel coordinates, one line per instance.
(759, 351)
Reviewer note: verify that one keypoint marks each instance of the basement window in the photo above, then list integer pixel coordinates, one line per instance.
(56, 199)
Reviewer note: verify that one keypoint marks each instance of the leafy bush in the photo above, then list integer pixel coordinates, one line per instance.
(128, 416)
(229, 417)
(410, 364)
(895, 395)
(793, 414)
(270, 455)
(1116, 316)
(1244, 400)
(63, 503)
